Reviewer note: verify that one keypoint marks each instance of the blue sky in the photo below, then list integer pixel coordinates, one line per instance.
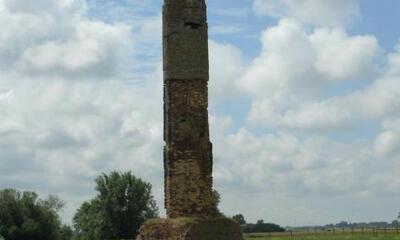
(380, 19)
(304, 103)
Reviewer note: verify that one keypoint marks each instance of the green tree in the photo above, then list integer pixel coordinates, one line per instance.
(261, 226)
(123, 203)
(24, 216)
(66, 232)
(216, 199)
(239, 218)
(260, 222)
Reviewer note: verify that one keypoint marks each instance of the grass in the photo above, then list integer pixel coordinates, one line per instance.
(328, 237)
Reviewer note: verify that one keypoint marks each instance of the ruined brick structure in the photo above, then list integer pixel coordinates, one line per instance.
(188, 153)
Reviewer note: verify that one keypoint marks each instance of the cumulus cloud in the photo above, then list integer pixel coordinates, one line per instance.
(41, 6)
(65, 133)
(287, 77)
(311, 91)
(291, 57)
(378, 100)
(58, 130)
(340, 56)
(291, 169)
(288, 164)
(386, 148)
(59, 40)
(387, 143)
(329, 13)
(225, 70)
(94, 51)
(317, 116)
(285, 46)
(62, 130)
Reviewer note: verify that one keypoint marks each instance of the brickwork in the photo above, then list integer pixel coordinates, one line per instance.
(185, 40)
(188, 151)
(190, 229)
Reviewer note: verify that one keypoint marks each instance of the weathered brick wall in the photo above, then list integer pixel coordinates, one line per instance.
(188, 151)
(190, 229)
(185, 40)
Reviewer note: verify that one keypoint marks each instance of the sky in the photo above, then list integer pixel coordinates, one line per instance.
(304, 103)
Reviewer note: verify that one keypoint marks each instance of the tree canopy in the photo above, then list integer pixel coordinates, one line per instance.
(239, 218)
(123, 203)
(216, 199)
(24, 216)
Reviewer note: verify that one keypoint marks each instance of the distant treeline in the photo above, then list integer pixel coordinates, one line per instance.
(260, 226)
(345, 224)
(355, 225)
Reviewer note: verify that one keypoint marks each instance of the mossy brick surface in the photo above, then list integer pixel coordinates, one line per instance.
(190, 229)
(185, 40)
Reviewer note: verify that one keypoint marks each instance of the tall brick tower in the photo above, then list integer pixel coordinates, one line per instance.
(187, 151)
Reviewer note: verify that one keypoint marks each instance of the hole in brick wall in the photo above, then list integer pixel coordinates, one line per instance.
(193, 25)
(182, 120)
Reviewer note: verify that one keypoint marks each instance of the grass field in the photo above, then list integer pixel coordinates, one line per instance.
(327, 237)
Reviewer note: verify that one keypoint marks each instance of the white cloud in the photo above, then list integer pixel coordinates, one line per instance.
(59, 131)
(291, 169)
(287, 77)
(42, 6)
(377, 101)
(340, 56)
(312, 90)
(290, 165)
(70, 131)
(225, 70)
(58, 40)
(387, 143)
(65, 133)
(328, 13)
(317, 116)
(286, 57)
(95, 51)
